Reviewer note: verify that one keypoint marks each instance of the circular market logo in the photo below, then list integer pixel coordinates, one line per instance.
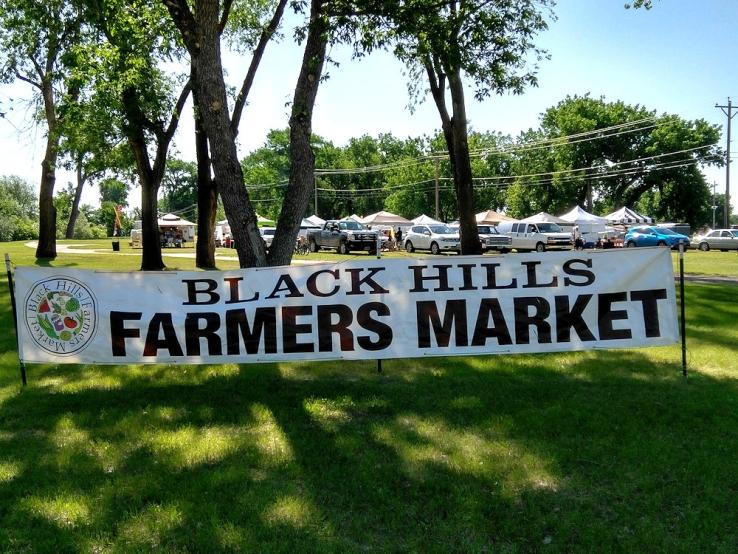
(61, 315)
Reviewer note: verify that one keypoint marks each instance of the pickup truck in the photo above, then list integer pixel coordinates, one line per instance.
(344, 236)
(492, 239)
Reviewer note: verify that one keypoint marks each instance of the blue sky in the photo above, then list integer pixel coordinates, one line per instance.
(675, 58)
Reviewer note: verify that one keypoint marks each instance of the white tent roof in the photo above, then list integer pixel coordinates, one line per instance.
(491, 216)
(425, 220)
(307, 222)
(385, 218)
(352, 217)
(171, 220)
(543, 217)
(627, 216)
(578, 215)
(315, 220)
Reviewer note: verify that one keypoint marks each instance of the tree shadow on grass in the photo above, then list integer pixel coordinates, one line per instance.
(439, 455)
(604, 450)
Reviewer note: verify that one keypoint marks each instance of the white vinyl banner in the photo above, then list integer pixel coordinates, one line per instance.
(365, 308)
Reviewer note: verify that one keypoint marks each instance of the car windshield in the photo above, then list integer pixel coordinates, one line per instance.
(350, 226)
(666, 231)
(735, 233)
(441, 230)
(548, 228)
(488, 230)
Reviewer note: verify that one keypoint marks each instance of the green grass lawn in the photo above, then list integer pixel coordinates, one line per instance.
(592, 452)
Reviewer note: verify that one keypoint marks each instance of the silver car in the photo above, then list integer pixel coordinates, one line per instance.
(719, 239)
(436, 238)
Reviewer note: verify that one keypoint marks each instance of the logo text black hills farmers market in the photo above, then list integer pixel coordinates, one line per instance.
(61, 315)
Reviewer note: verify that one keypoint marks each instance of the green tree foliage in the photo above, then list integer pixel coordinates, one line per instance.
(489, 44)
(179, 187)
(606, 155)
(18, 209)
(114, 191)
(38, 41)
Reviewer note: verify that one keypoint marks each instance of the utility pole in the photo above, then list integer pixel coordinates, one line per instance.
(438, 202)
(714, 206)
(728, 111)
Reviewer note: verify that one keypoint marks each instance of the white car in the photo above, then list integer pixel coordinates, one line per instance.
(267, 233)
(436, 238)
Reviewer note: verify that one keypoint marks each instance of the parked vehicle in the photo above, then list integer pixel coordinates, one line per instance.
(719, 239)
(535, 236)
(492, 239)
(267, 233)
(652, 235)
(436, 238)
(344, 236)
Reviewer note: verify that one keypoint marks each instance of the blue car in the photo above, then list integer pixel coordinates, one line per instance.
(654, 236)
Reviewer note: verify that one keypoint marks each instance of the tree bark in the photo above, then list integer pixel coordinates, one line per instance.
(74, 214)
(462, 168)
(207, 200)
(46, 248)
(201, 34)
(455, 133)
(151, 259)
(302, 158)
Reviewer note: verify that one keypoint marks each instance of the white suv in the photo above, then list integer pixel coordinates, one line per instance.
(267, 233)
(436, 238)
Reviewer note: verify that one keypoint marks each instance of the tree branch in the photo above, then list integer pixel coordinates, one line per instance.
(224, 16)
(25, 79)
(183, 18)
(174, 121)
(248, 81)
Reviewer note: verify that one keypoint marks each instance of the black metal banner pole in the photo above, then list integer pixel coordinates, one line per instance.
(681, 307)
(379, 256)
(15, 318)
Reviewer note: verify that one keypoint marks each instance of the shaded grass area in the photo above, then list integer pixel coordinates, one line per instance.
(589, 451)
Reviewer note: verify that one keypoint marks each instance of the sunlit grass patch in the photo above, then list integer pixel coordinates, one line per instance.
(188, 447)
(291, 510)
(9, 470)
(65, 510)
(150, 527)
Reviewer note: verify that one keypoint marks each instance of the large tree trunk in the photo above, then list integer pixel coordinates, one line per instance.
(46, 211)
(302, 158)
(462, 169)
(210, 89)
(74, 214)
(207, 200)
(151, 259)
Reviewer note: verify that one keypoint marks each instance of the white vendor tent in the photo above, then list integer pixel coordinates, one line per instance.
(578, 216)
(626, 216)
(425, 220)
(542, 217)
(385, 218)
(590, 225)
(491, 217)
(352, 217)
(173, 226)
(315, 220)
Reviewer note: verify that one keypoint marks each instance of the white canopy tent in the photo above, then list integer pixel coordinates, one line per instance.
(543, 217)
(352, 217)
(174, 228)
(626, 216)
(425, 220)
(578, 216)
(315, 220)
(590, 225)
(491, 217)
(386, 219)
